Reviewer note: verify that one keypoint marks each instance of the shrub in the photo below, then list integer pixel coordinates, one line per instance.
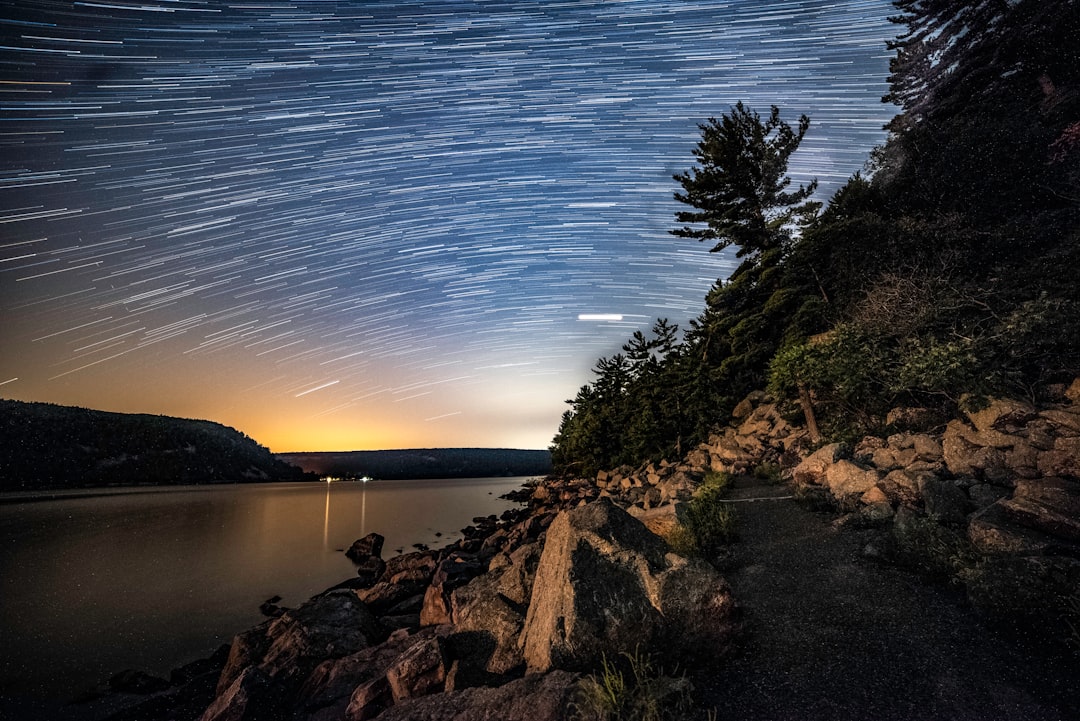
(717, 480)
(769, 472)
(710, 520)
(631, 689)
(682, 541)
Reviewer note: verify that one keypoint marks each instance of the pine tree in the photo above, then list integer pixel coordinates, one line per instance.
(741, 188)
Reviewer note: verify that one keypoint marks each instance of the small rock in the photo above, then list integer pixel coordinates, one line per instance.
(369, 545)
(370, 569)
(845, 478)
(419, 671)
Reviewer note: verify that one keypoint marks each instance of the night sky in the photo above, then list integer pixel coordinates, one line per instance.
(360, 225)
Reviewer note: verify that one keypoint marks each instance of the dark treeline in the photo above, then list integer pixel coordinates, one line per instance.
(424, 463)
(946, 271)
(46, 446)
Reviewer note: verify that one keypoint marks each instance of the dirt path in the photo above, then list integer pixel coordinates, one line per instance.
(831, 636)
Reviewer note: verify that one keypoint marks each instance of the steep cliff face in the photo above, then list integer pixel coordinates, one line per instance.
(45, 446)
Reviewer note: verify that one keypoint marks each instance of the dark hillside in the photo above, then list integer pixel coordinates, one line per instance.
(46, 446)
(425, 463)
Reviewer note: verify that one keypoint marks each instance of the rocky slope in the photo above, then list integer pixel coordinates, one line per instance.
(503, 623)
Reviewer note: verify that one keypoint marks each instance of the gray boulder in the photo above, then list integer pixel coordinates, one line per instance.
(252, 696)
(487, 627)
(844, 478)
(286, 650)
(605, 584)
(420, 670)
(811, 471)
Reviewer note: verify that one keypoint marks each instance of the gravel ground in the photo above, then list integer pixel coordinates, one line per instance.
(828, 635)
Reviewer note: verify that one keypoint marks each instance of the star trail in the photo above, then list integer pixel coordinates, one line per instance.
(357, 225)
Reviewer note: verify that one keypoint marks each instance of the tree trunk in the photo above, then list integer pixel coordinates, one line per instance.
(808, 412)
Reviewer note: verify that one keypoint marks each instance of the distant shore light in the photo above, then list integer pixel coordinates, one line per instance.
(599, 316)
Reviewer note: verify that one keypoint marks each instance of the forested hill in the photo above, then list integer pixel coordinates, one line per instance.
(944, 273)
(46, 446)
(425, 463)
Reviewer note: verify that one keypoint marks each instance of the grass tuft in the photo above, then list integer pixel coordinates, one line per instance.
(768, 472)
(632, 689)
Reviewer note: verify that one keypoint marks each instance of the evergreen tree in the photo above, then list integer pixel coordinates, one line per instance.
(741, 188)
(742, 194)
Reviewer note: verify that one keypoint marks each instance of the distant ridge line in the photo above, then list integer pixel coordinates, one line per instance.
(421, 463)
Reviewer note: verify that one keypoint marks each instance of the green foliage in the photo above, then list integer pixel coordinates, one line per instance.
(934, 549)
(947, 270)
(631, 689)
(846, 372)
(707, 521)
(639, 407)
(682, 541)
(935, 365)
(710, 520)
(740, 188)
(716, 481)
(768, 472)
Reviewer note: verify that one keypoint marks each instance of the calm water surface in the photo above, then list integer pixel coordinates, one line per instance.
(156, 578)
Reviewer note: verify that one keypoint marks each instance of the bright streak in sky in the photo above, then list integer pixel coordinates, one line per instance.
(317, 388)
(600, 316)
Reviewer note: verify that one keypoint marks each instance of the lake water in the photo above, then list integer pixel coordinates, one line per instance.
(154, 578)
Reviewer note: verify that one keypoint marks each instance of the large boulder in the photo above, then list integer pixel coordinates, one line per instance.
(811, 471)
(384, 596)
(1001, 414)
(1063, 459)
(943, 500)
(844, 478)
(415, 568)
(327, 693)
(452, 572)
(420, 670)
(288, 648)
(1050, 505)
(605, 583)
(252, 696)
(329, 626)
(994, 532)
(958, 451)
(487, 628)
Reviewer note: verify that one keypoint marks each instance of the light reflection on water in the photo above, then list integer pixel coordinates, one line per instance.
(149, 580)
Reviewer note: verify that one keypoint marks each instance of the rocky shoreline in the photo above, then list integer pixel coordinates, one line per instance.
(506, 622)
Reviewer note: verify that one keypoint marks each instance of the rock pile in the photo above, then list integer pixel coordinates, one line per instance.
(993, 499)
(502, 622)
(510, 615)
